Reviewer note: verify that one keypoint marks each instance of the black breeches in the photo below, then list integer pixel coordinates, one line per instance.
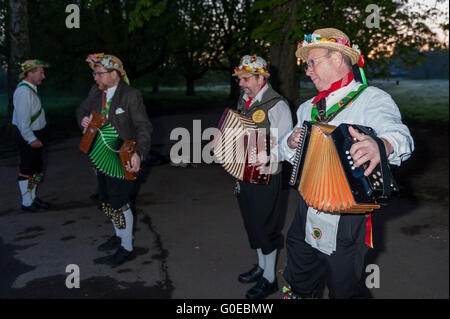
(31, 158)
(262, 216)
(114, 191)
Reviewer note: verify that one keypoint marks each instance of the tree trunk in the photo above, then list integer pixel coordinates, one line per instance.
(18, 42)
(190, 86)
(234, 89)
(284, 72)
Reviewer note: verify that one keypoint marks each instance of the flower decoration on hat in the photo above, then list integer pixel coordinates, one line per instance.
(108, 62)
(331, 39)
(31, 64)
(252, 64)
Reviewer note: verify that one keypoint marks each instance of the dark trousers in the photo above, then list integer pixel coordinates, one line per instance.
(263, 220)
(31, 158)
(308, 268)
(114, 191)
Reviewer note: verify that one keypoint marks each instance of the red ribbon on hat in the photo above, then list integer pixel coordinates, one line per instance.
(361, 61)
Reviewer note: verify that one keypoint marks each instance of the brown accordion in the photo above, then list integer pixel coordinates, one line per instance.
(127, 149)
(97, 121)
(237, 147)
(324, 174)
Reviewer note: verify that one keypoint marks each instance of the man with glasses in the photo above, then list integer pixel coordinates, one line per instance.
(263, 220)
(333, 246)
(123, 107)
(29, 132)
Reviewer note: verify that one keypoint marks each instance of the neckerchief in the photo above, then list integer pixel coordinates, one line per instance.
(322, 116)
(249, 101)
(335, 86)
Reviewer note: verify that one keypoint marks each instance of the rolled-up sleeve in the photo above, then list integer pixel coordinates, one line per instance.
(385, 118)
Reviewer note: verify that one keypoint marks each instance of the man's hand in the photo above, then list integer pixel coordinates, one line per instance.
(293, 140)
(135, 164)
(364, 150)
(85, 121)
(36, 143)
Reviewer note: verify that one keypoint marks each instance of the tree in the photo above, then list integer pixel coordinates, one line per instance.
(283, 22)
(193, 46)
(233, 25)
(17, 43)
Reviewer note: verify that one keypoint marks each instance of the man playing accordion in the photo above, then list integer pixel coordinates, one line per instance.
(125, 119)
(318, 242)
(263, 220)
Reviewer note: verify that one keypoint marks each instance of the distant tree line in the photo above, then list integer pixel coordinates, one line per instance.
(189, 37)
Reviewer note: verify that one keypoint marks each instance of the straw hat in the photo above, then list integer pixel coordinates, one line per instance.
(30, 65)
(109, 62)
(328, 38)
(252, 64)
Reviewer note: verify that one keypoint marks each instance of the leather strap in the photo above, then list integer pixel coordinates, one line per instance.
(385, 170)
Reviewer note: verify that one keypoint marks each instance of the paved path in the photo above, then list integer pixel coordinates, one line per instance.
(189, 237)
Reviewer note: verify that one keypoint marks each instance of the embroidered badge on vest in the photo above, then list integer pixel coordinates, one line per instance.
(317, 233)
(258, 116)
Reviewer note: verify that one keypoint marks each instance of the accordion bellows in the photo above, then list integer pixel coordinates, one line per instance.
(324, 174)
(100, 141)
(237, 147)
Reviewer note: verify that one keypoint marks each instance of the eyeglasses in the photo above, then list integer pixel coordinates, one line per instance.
(100, 73)
(312, 63)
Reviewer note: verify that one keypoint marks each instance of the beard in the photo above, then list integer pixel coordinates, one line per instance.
(101, 87)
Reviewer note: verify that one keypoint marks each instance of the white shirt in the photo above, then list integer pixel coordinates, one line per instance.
(280, 117)
(26, 104)
(110, 92)
(374, 108)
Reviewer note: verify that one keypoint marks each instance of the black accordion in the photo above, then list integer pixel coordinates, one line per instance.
(324, 174)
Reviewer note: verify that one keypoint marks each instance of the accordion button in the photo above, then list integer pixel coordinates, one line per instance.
(351, 162)
(347, 152)
(353, 167)
(349, 157)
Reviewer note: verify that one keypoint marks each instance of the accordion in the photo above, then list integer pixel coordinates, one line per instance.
(324, 174)
(100, 141)
(237, 145)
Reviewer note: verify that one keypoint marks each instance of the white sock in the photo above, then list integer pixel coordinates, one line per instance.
(269, 270)
(33, 193)
(115, 228)
(127, 234)
(26, 195)
(261, 260)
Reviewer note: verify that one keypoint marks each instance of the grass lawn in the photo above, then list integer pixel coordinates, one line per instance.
(422, 100)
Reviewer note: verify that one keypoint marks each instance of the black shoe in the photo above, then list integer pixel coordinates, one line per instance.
(262, 289)
(112, 243)
(121, 256)
(253, 275)
(40, 203)
(32, 208)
